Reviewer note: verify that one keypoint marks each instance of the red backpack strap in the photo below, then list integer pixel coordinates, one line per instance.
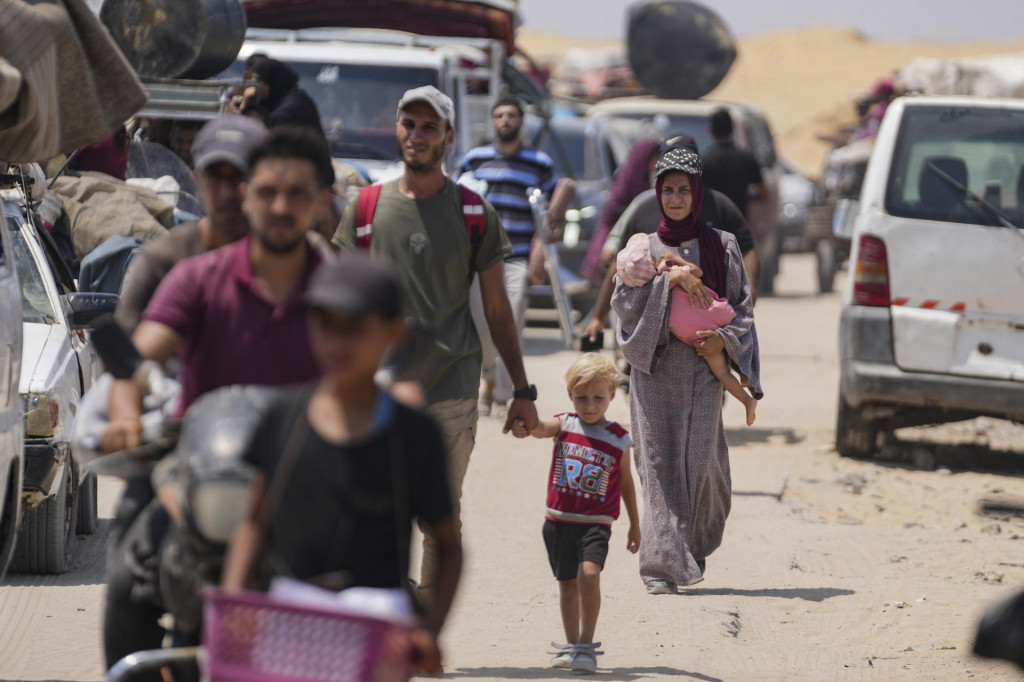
(366, 206)
(473, 211)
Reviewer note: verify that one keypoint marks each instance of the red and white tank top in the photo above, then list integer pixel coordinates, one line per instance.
(584, 482)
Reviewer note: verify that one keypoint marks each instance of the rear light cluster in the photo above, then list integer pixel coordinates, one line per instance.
(871, 274)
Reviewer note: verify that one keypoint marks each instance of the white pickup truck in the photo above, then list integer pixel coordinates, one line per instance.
(932, 326)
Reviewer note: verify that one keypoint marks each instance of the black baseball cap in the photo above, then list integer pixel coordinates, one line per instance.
(355, 286)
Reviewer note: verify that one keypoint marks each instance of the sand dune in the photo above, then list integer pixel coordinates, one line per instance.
(804, 79)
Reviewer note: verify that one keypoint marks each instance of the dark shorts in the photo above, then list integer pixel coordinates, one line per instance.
(570, 544)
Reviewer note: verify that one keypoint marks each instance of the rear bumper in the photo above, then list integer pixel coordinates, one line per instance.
(870, 375)
(866, 383)
(43, 461)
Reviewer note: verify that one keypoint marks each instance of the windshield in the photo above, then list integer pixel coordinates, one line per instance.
(670, 125)
(35, 303)
(980, 147)
(357, 103)
(569, 138)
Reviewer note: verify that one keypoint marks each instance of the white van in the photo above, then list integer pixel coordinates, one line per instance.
(932, 326)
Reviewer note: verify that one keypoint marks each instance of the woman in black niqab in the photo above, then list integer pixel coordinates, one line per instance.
(285, 103)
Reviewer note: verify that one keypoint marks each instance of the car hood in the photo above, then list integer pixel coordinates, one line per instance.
(40, 355)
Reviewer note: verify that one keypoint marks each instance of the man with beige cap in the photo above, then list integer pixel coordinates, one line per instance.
(438, 236)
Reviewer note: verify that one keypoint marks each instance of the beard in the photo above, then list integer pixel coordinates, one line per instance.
(508, 135)
(228, 220)
(423, 167)
(283, 245)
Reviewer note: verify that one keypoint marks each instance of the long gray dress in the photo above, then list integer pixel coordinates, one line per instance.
(676, 410)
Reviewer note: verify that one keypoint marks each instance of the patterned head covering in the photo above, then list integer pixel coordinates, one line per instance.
(674, 232)
(679, 159)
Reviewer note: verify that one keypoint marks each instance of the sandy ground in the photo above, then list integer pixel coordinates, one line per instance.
(805, 79)
(830, 570)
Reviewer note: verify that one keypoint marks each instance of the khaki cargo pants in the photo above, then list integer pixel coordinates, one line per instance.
(457, 419)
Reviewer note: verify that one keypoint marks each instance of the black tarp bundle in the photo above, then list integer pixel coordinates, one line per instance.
(678, 49)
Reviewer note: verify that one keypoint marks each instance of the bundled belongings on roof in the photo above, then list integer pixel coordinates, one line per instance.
(493, 19)
(63, 82)
(177, 38)
(990, 76)
(678, 49)
(99, 206)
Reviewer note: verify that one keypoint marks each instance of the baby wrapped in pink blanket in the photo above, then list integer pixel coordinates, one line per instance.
(635, 267)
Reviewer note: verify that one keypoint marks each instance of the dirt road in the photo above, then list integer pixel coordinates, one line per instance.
(830, 570)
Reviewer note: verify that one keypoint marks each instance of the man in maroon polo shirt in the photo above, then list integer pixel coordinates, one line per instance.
(234, 316)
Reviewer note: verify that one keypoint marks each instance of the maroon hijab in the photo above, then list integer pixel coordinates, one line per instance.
(675, 232)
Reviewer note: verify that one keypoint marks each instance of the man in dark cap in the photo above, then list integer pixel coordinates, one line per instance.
(392, 455)
(220, 152)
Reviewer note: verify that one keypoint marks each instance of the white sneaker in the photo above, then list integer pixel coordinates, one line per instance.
(584, 662)
(563, 655)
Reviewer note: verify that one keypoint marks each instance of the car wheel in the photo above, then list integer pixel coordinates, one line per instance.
(11, 515)
(48, 532)
(825, 256)
(856, 437)
(88, 516)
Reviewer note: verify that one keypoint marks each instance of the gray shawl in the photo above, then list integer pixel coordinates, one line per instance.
(643, 312)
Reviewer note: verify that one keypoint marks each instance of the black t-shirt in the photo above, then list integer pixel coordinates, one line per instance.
(338, 511)
(731, 171)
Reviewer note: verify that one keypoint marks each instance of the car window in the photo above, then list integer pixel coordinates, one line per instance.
(357, 103)
(982, 147)
(35, 302)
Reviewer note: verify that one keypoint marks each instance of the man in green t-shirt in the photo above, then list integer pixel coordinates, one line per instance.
(419, 226)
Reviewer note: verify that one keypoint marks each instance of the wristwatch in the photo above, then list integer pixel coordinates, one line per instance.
(528, 393)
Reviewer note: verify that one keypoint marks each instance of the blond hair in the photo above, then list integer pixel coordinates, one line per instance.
(592, 368)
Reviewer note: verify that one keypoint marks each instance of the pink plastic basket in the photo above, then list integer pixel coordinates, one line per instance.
(251, 637)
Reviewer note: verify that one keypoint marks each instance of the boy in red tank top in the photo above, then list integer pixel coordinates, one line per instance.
(590, 472)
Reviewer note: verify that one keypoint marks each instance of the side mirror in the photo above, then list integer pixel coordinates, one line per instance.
(84, 307)
(844, 215)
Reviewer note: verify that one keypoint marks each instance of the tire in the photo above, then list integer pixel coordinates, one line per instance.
(48, 532)
(88, 515)
(825, 256)
(11, 516)
(855, 437)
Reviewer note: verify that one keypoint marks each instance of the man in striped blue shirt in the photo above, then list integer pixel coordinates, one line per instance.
(509, 168)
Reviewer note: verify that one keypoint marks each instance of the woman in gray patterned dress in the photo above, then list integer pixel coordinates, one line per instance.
(675, 401)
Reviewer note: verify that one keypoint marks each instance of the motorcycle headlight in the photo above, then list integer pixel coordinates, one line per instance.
(792, 211)
(217, 507)
(42, 415)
